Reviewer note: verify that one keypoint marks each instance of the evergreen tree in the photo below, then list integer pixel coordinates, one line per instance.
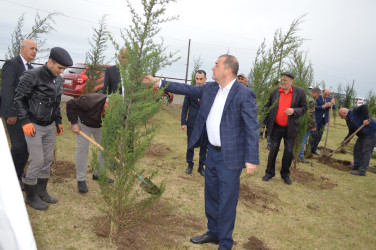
(41, 28)
(196, 66)
(95, 56)
(126, 128)
(350, 94)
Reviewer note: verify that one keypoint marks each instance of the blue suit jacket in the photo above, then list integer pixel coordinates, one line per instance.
(239, 127)
(319, 111)
(190, 108)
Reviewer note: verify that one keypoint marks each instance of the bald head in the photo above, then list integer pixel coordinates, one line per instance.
(28, 50)
(343, 113)
(326, 93)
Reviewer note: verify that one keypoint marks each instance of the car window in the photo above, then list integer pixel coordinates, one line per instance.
(76, 69)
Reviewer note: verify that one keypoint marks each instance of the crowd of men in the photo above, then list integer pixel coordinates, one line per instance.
(220, 117)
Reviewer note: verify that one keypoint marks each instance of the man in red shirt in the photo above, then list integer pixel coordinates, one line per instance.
(286, 103)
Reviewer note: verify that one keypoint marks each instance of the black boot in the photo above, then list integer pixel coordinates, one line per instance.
(82, 188)
(201, 170)
(33, 199)
(42, 191)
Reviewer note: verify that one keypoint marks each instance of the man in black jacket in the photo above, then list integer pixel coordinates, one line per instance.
(191, 106)
(85, 114)
(287, 104)
(112, 76)
(10, 74)
(37, 102)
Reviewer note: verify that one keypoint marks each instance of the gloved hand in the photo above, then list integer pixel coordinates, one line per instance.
(29, 129)
(59, 129)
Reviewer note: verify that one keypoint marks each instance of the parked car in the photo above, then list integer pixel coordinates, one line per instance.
(75, 80)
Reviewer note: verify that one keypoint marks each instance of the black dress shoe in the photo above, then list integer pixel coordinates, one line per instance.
(315, 153)
(95, 178)
(201, 170)
(205, 238)
(287, 180)
(82, 188)
(267, 177)
(189, 170)
(358, 172)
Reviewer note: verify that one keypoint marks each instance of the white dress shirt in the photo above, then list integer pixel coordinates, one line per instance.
(24, 62)
(213, 122)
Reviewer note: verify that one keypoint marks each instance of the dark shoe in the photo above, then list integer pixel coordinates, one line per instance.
(82, 188)
(33, 199)
(201, 170)
(315, 153)
(205, 238)
(42, 191)
(95, 178)
(303, 160)
(267, 177)
(352, 167)
(287, 180)
(358, 172)
(189, 169)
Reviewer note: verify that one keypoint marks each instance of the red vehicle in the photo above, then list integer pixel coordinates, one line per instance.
(75, 80)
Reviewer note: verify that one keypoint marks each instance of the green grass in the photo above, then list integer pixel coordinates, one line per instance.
(283, 217)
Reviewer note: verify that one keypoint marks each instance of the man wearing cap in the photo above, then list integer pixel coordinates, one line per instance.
(10, 75)
(287, 104)
(37, 102)
(189, 114)
(311, 123)
(242, 79)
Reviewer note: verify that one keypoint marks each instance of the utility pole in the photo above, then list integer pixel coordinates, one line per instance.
(186, 71)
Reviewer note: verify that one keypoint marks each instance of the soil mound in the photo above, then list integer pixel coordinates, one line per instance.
(255, 244)
(258, 198)
(157, 150)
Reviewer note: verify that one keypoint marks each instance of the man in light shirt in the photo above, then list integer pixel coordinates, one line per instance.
(10, 74)
(228, 120)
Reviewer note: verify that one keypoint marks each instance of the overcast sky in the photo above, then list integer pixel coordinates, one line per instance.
(341, 34)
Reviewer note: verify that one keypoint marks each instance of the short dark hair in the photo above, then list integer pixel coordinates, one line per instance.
(200, 71)
(231, 62)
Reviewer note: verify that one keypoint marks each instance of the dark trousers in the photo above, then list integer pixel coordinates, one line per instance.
(317, 135)
(275, 140)
(363, 151)
(221, 198)
(19, 147)
(191, 151)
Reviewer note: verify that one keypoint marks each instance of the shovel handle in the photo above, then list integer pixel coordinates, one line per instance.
(91, 140)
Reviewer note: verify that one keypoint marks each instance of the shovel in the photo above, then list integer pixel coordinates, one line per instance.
(145, 184)
(327, 157)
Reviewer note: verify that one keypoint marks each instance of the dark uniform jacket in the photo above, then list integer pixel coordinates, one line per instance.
(190, 106)
(10, 75)
(87, 108)
(298, 103)
(112, 81)
(38, 97)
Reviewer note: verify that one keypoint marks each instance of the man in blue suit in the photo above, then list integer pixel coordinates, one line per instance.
(228, 120)
(189, 113)
(323, 104)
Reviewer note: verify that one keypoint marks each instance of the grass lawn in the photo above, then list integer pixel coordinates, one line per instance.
(324, 208)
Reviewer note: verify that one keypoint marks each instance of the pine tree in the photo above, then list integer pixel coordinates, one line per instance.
(127, 128)
(41, 28)
(95, 56)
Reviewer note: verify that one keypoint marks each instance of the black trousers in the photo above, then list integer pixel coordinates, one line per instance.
(19, 147)
(275, 140)
(191, 151)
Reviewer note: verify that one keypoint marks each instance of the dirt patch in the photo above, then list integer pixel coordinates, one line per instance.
(309, 179)
(161, 228)
(60, 170)
(335, 163)
(255, 244)
(328, 150)
(258, 198)
(157, 150)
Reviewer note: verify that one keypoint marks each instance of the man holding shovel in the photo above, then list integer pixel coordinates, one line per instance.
(85, 114)
(366, 137)
(323, 104)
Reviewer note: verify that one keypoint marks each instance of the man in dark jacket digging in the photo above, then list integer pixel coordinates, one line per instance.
(85, 114)
(366, 136)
